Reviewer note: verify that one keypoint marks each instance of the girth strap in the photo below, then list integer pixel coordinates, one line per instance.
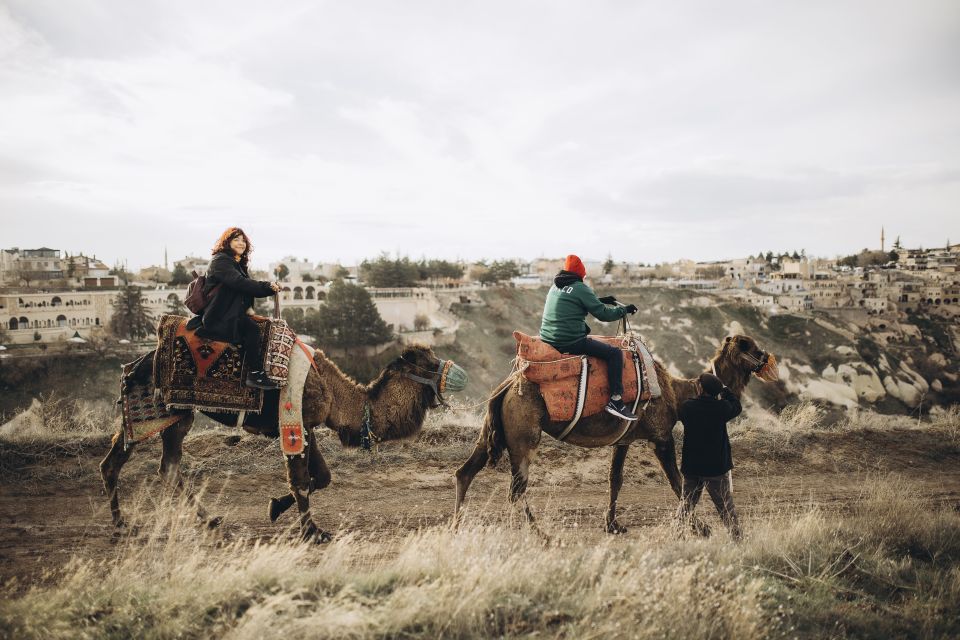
(581, 396)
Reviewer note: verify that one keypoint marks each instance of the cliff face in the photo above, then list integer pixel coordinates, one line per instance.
(841, 359)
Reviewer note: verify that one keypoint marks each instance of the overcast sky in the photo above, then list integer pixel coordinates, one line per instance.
(338, 130)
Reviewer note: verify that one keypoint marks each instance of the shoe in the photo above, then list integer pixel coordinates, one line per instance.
(259, 380)
(617, 408)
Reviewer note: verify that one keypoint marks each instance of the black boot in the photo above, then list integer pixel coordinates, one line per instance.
(259, 380)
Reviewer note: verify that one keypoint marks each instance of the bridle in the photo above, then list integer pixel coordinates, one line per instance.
(437, 379)
(759, 363)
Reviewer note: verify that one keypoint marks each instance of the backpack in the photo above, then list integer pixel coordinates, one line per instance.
(196, 300)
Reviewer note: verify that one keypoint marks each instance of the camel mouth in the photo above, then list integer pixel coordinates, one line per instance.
(770, 372)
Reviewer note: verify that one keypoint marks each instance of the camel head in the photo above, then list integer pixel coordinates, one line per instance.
(739, 357)
(412, 383)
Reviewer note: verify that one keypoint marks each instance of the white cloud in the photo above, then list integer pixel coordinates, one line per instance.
(478, 129)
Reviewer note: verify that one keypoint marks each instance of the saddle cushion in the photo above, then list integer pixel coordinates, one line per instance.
(195, 372)
(558, 376)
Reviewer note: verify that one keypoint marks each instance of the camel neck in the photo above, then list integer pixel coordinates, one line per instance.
(731, 376)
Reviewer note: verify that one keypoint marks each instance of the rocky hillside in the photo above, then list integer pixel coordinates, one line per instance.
(841, 360)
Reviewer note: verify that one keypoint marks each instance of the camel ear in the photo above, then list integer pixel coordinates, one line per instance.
(728, 339)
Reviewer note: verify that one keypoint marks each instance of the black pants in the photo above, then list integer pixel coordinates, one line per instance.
(250, 339)
(720, 489)
(604, 351)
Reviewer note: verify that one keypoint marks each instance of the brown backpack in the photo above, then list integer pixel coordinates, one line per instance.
(196, 299)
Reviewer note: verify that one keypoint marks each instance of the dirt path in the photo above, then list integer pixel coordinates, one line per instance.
(52, 514)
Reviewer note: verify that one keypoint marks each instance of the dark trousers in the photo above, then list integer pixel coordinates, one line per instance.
(720, 489)
(604, 351)
(250, 339)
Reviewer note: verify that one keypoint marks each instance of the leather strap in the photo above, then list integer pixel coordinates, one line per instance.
(581, 395)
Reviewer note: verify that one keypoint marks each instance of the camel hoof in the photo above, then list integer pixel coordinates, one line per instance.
(312, 533)
(214, 522)
(616, 528)
(278, 506)
(701, 529)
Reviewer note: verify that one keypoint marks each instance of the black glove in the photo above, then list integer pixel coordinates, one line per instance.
(631, 309)
(608, 299)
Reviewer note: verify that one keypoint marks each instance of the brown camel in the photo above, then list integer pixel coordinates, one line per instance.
(398, 405)
(516, 415)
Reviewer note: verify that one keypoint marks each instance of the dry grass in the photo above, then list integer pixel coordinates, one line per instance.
(889, 569)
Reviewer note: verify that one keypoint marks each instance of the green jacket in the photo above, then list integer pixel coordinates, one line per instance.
(567, 307)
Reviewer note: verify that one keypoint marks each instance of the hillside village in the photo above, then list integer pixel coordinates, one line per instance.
(47, 295)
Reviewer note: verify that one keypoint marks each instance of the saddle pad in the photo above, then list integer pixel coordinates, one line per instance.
(196, 373)
(558, 376)
(143, 414)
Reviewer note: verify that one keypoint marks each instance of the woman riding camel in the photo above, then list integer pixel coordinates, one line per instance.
(227, 317)
(568, 303)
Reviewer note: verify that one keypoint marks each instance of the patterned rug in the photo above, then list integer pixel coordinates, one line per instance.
(279, 347)
(197, 373)
(144, 414)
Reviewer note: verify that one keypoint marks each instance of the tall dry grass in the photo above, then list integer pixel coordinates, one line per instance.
(889, 569)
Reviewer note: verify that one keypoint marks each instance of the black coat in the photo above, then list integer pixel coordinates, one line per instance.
(706, 445)
(231, 301)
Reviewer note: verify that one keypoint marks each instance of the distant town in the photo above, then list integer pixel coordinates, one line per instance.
(50, 296)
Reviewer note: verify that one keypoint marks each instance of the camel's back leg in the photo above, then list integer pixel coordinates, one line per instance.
(465, 475)
(319, 477)
(616, 482)
(110, 473)
(169, 471)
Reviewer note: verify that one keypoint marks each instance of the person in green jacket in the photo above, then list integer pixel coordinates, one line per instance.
(568, 303)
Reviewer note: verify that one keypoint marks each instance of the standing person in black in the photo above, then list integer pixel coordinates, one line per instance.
(227, 317)
(707, 462)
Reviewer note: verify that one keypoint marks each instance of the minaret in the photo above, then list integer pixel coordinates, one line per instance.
(882, 248)
(165, 259)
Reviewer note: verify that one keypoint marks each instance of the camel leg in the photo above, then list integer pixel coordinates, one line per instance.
(110, 473)
(666, 452)
(298, 477)
(616, 481)
(169, 471)
(465, 475)
(319, 475)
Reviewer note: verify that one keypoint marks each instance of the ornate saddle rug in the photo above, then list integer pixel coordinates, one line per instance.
(143, 413)
(565, 386)
(191, 372)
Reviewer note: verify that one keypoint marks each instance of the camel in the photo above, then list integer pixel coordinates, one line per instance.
(398, 400)
(516, 416)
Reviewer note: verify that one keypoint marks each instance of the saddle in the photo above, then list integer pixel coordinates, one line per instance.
(192, 372)
(578, 386)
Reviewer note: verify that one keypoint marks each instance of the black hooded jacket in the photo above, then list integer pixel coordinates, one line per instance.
(706, 445)
(230, 303)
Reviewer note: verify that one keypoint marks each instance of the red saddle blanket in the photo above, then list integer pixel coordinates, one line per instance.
(194, 372)
(558, 376)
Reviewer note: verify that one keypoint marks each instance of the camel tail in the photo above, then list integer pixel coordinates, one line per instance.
(492, 431)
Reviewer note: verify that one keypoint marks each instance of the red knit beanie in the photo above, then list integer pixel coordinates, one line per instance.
(573, 265)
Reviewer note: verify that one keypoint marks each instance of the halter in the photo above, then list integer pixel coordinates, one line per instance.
(437, 381)
(758, 363)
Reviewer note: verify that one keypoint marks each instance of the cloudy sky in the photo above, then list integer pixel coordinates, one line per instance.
(338, 130)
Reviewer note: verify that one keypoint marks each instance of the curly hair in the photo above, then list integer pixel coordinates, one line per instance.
(223, 244)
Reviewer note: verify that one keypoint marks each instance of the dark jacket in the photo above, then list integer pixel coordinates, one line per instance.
(230, 303)
(706, 445)
(568, 303)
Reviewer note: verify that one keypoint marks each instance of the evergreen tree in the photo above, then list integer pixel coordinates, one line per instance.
(180, 276)
(175, 306)
(130, 318)
(608, 265)
(350, 318)
(282, 271)
(499, 271)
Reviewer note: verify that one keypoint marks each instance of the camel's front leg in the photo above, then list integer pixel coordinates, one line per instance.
(298, 477)
(616, 481)
(169, 471)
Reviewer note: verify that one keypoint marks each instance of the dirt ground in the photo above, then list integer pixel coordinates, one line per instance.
(52, 507)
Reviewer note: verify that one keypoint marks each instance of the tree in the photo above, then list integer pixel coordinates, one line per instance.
(421, 322)
(341, 273)
(386, 272)
(350, 318)
(435, 269)
(282, 271)
(122, 274)
(498, 271)
(130, 318)
(608, 265)
(175, 306)
(307, 277)
(180, 276)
